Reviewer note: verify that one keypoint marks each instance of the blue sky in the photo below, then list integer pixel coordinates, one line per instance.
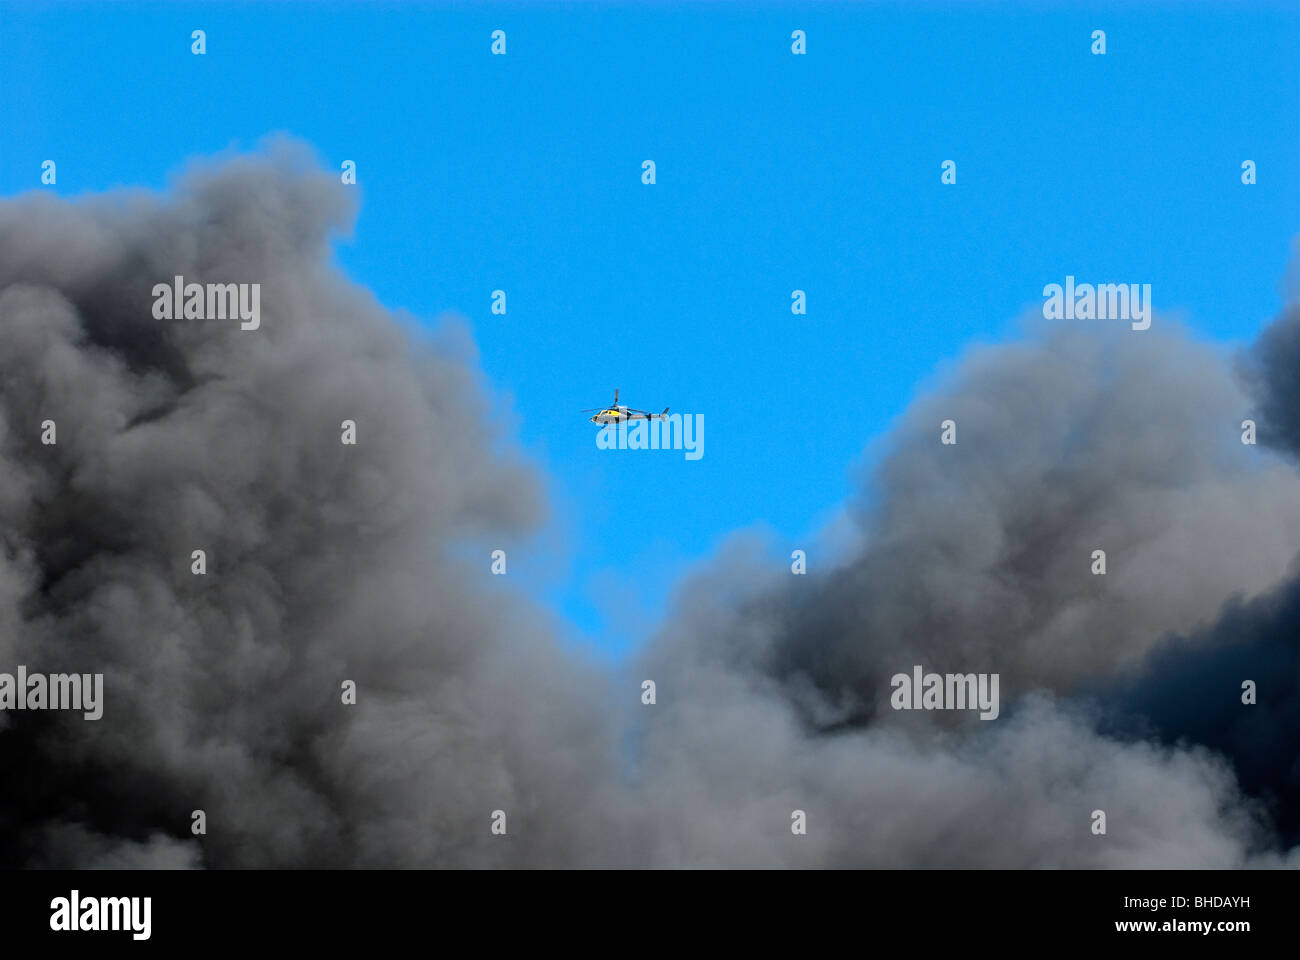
(775, 172)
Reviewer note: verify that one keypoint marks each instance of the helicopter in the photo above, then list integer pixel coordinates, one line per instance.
(616, 414)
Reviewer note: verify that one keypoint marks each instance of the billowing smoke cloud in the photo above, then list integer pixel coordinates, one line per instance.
(977, 557)
(1273, 367)
(979, 554)
(326, 562)
(1187, 692)
(330, 562)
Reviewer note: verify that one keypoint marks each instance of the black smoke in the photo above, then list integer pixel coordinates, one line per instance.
(369, 563)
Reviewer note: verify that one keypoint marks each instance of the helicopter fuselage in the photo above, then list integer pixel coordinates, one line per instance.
(617, 415)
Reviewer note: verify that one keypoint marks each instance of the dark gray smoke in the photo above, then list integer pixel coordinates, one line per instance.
(1275, 366)
(330, 563)
(1186, 693)
(978, 555)
(326, 562)
(978, 558)
(1191, 688)
(1191, 692)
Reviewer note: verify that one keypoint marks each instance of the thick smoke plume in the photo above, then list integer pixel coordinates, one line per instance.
(330, 562)
(326, 562)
